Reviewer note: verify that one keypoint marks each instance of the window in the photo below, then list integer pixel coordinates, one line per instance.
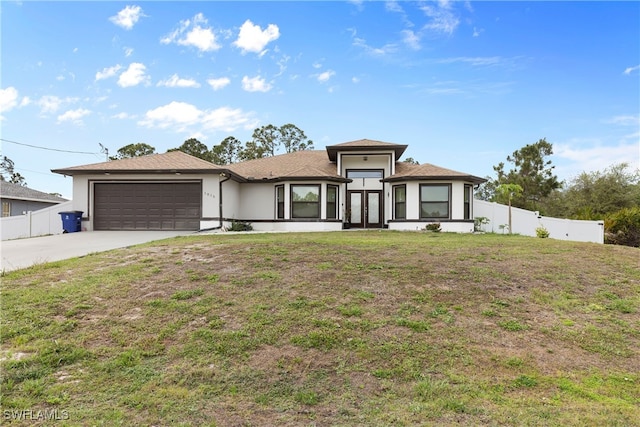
(6, 209)
(400, 202)
(332, 201)
(468, 191)
(305, 201)
(365, 174)
(434, 201)
(280, 201)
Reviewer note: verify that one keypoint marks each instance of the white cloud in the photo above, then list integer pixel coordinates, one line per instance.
(325, 76)
(597, 157)
(393, 6)
(8, 99)
(227, 120)
(630, 70)
(624, 120)
(133, 76)
(355, 80)
(175, 81)
(255, 84)
(122, 116)
(411, 39)
(193, 33)
(475, 61)
(73, 116)
(127, 17)
(253, 39)
(373, 51)
(128, 51)
(217, 84)
(442, 19)
(178, 114)
(25, 101)
(51, 103)
(108, 72)
(185, 117)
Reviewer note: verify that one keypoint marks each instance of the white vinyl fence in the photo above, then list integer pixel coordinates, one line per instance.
(525, 222)
(38, 223)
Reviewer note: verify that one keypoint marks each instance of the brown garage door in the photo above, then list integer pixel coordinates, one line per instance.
(147, 206)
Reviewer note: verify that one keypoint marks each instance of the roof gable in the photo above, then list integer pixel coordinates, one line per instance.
(408, 171)
(369, 145)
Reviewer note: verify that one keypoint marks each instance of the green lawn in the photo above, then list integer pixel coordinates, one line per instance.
(347, 328)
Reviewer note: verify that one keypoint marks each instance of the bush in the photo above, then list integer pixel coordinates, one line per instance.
(542, 232)
(623, 227)
(240, 226)
(435, 227)
(479, 222)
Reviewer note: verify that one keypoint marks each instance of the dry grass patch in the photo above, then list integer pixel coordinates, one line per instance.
(357, 328)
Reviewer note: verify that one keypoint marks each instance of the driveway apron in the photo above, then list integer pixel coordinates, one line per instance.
(22, 253)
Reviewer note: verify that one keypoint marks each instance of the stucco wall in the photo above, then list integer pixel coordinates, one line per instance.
(258, 201)
(413, 198)
(230, 199)
(355, 160)
(83, 192)
(450, 227)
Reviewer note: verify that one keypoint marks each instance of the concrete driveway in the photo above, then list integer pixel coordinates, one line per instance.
(22, 253)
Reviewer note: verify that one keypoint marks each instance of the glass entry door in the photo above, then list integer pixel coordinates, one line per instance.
(365, 207)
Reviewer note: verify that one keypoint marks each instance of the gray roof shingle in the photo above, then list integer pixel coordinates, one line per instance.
(18, 192)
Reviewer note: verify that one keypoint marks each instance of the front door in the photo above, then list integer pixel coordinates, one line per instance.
(366, 208)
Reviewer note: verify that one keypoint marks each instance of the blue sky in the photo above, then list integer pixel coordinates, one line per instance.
(464, 84)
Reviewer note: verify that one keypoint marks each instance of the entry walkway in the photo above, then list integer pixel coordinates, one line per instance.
(22, 253)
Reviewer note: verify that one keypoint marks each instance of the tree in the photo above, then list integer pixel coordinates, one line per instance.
(195, 148)
(487, 190)
(134, 150)
(593, 195)
(226, 152)
(532, 172)
(268, 138)
(8, 173)
(509, 191)
(294, 139)
(411, 161)
(252, 151)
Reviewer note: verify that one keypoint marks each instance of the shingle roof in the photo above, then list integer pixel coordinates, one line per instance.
(365, 144)
(300, 165)
(170, 162)
(18, 192)
(408, 171)
(304, 164)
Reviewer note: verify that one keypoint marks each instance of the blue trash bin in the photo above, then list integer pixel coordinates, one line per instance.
(71, 221)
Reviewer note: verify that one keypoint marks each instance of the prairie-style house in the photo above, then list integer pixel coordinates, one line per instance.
(358, 184)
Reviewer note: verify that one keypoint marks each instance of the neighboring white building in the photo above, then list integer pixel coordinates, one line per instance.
(359, 184)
